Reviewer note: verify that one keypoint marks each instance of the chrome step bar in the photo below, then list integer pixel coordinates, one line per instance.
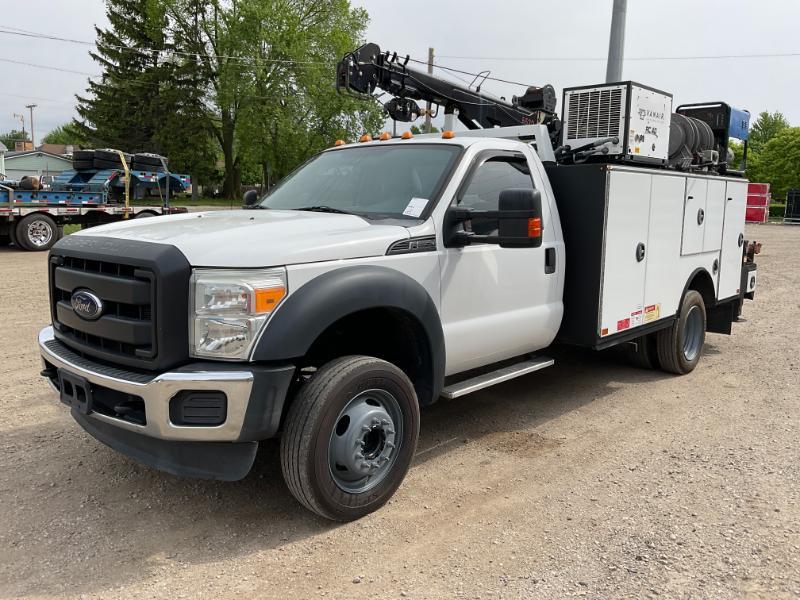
(462, 388)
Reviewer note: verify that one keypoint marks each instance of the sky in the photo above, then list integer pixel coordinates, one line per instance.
(530, 41)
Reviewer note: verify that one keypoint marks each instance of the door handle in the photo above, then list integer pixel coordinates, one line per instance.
(549, 261)
(640, 252)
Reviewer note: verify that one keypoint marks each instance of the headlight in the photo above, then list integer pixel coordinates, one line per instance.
(229, 309)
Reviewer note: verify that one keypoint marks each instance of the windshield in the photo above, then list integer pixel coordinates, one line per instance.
(392, 181)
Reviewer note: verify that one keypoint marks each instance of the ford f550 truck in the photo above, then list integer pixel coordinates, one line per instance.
(377, 278)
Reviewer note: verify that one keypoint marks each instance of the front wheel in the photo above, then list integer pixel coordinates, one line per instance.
(681, 344)
(349, 437)
(37, 231)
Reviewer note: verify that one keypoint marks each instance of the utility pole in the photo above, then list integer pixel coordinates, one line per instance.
(428, 106)
(33, 137)
(616, 42)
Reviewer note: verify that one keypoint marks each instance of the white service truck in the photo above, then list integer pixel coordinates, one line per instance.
(377, 278)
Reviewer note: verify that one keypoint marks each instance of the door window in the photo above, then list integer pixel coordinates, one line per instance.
(492, 177)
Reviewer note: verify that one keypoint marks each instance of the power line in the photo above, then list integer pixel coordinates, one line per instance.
(627, 58)
(143, 49)
(48, 67)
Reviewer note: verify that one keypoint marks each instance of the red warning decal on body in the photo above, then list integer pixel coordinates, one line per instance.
(623, 324)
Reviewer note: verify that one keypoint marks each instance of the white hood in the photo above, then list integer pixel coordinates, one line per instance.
(259, 238)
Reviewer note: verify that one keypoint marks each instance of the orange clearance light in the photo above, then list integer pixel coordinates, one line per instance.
(448, 135)
(385, 136)
(407, 135)
(339, 143)
(365, 138)
(267, 299)
(534, 228)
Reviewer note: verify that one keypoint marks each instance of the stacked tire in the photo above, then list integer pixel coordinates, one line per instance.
(109, 159)
(148, 162)
(83, 160)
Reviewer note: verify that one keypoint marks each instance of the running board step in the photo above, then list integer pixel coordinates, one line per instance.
(462, 388)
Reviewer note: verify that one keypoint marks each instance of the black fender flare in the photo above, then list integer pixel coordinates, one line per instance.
(314, 307)
(703, 273)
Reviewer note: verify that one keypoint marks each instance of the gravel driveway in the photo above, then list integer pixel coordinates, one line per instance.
(587, 479)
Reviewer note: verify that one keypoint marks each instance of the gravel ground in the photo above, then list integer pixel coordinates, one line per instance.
(587, 479)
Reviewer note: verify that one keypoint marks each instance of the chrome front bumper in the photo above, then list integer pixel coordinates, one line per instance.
(156, 391)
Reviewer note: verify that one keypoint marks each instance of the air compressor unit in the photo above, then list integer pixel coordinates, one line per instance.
(634, 117)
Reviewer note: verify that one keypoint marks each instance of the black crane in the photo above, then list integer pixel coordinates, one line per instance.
(366, 69)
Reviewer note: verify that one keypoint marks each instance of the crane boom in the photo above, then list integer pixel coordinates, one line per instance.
(366, 69)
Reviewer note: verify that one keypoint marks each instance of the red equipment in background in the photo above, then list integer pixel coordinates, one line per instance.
(758, 199)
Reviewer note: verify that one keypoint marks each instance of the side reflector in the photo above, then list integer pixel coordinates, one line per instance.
(339, 143)
(407, 135)
(448, 135)
(365, 138)
(534, 228)
(385, 136)
(267, 299)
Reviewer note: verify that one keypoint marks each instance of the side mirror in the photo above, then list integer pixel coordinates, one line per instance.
(516, 224)
(520, 218)
(250, 198)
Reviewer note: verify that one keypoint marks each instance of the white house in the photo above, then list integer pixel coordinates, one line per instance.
(3, 151)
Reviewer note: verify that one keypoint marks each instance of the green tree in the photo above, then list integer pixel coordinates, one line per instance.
(12, 136)
(292, 110)
(767, 126)
(124, 108)
(67, 134)
(421, 130)
(779, 162)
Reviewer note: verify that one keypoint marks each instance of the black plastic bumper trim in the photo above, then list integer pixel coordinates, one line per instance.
(223, 461)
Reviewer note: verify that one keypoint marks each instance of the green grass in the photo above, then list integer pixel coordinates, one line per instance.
(71, 229)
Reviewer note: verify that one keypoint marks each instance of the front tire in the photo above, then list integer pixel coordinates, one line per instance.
(349, 437)
(681, 345)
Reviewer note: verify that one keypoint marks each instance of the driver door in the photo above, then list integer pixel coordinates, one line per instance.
(497, 303)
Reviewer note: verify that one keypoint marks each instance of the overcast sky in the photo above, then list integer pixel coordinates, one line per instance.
(477, 35)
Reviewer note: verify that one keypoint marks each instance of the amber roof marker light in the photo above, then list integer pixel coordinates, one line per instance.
(448, 135)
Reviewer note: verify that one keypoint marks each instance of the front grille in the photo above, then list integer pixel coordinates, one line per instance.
(126, 327)
(144, 289)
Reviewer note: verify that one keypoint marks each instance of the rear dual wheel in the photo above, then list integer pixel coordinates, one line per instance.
(681, 345)
(349, 437)
(676, 349)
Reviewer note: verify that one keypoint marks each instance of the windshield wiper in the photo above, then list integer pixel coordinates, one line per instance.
(325, 209)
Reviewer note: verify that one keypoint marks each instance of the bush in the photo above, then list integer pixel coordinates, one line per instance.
(777, 210)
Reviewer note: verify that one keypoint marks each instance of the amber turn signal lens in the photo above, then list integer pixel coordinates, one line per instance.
(534, 228)
(365, 138)
(267, 299)
(448, 135)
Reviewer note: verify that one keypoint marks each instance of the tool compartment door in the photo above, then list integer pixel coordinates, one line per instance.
(627, 219)
(694, 216)
(730, 269)
(715, 215)
(662, 287)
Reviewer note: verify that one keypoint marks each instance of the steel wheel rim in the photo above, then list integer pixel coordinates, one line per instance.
(365, 441)
(40, 233)
(693, 334)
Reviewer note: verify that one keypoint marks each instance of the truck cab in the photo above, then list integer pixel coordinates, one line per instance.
(375, 279)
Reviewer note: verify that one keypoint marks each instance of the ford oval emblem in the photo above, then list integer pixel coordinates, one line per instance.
(86, 305)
